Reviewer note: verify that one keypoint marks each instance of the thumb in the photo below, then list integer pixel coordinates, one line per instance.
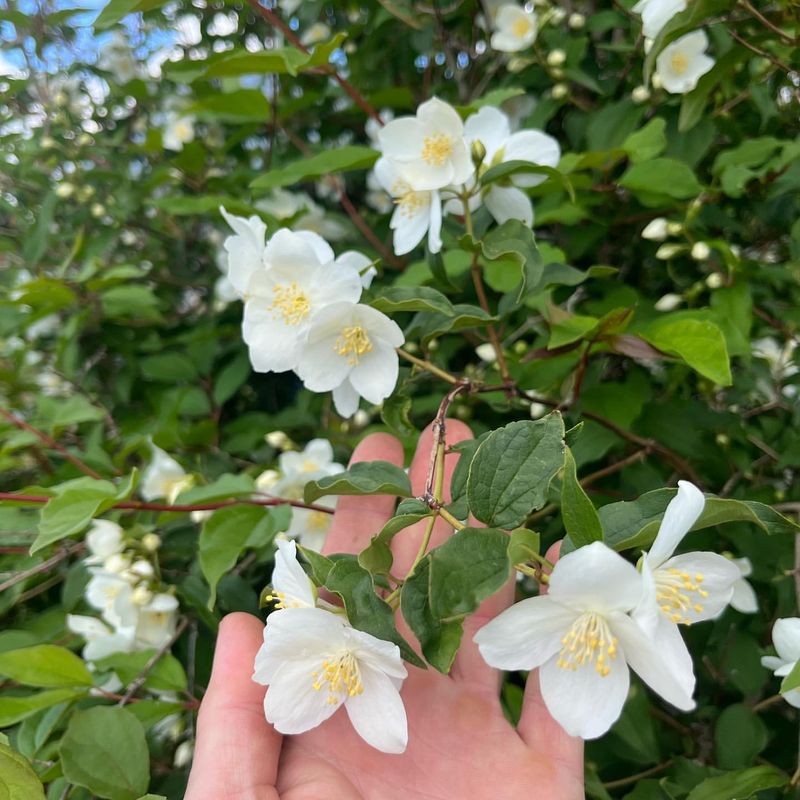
(237, 751)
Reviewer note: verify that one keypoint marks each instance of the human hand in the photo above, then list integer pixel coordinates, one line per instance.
(460, 745)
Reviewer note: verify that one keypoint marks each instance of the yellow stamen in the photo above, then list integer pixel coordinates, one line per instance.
(436, 149)
(588, 641)
(342, 677)
(679, 63)
(522, 27)
(291, 303)
(353, 343)
(677, 593)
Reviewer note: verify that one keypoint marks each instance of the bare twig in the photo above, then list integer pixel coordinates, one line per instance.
(617, 784)
(767, 23)
(51, 562)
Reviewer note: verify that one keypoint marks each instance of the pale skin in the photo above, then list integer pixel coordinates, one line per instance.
(459, 745)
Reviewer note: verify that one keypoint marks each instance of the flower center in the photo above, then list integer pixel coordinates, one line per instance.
(282, 601)
(353, 343)
(522, 27)
(677, 592)
(588, 641)
(436, 149)
(679, 63)
(411, 202)
(290, 302)
(341, 676)
(318, 521)
(309, 466)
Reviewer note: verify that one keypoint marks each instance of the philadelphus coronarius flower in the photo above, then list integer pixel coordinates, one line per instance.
(681, 64)
(103, 540)
(314, 662)
(656, 14)
(178, 130)
(786, 638)
(515, 28)
(582, 638)
(163, 477)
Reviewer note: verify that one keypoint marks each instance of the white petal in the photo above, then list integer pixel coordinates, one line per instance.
(647, 613)
(377, 654)
(793, 698)
(401, 139)
(409, 228)
(274, 346)
(525, 635)
(508, 202)
(786, 638)
(440, 116)
(435, 224)
(375, 376)
(345, 399)
(718, 573)
(286, 249)
(663, 662)
(584, 702)
(321, 248)
(774, 663)
(378, 714)
(160, 472)
(290, 579)
(744, 598)
(491, 127)
(536, 147)
(88, 627)
(334, 284)
(596, 578)
(681, 514)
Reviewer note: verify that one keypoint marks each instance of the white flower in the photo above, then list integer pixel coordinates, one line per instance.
(318, 32)
(428, 149)
(314, 662)
(744, 598)
(282, 300)
(184, 753)
(283, 204)
(656, 14)
(245, 249)
(291, 587)
(362, 264)
(656, 230)
(104, 539)
(691, 587)
(377, 198)
(515, 29)
(289, 6)
(486, 352)
(786, 638)
(373, 128)
(668, 302)
(101, 641)
(779, 357)
(112, 596)
(681, 64)
(351, 350)
(178, 130)
(582, 639)
(266, 481)
(116, 57)
(156, 622)
(310, 527)
(640, 94)
(164, 477)
(700, 251)
(313, 462)
(492, 128)
(416, 212)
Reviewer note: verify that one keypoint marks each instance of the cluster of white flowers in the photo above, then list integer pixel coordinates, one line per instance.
(681, 63)
(123, 587)
(782, 365)
(295, 470)
(434, 157)
(302, 313)
(602, 615)
(314, 662)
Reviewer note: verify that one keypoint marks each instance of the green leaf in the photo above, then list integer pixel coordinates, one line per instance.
(377, 556)
(635, 523)
(502, 173)
(365, 610)
(168, 368)
(225, 487)
(418, 298)
(342, 159)
(223, 538)
(18, 781)
(231, 378)
(580, 517)
(320, 565)
(739, 736)
(105, 751)
(524, 544)
(427, 324)
(166, 675)
(662, 176)
(364, 478)
(45, 665)
(439, 640)
(241, 105)
(72, 509)
(63, 411)
(700, 343)
(647, 143)
(792, 680)
(114, 11)
(470, 566)
(37, 240)
(279, 61)
(512, 468)
(741, 784)
(15, 709)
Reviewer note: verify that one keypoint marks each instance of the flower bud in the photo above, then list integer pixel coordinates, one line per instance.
(576, 21)
(715, 280)
(267, 479)
(64, 190)
(520, 347)
(537, 410)
(559, 91)
(183, 754)
(116, 563)
(557, 16)
(656, 230)
(722, 440)
(656, 81)
(555, 58)
(411, 347)
(557, 73)
(279, 440)
(667, 251)
(641, 94)
(97, 210)
(700, 251)
(48, 142)
(674, 228)
(486, 352)
(84, 140)
(361, 418)
(151, 542)
(668, 302)
(433, 345)
(142, 568)
(141, 596)
(478, 152)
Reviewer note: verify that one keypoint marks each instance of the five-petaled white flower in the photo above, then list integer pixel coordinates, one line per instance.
(492, 128)
(582, 638)
(245, 249)
(314, 663)
(416, 212)
(656, 14)
(786, 638)
(515, 28)
(163, 477)
(428, 149)
(681, 64)
(300, 279)
(350, 349)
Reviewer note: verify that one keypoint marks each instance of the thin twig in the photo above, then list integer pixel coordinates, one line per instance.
(767, 23)
(617, 784)
(427, 366)
(763, 53)
(51, 443)
(51, 562)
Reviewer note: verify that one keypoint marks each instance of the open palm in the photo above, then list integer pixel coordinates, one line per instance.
(460, 744)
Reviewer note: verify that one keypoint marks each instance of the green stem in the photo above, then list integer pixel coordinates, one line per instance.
(427, 366)
(448, 517)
